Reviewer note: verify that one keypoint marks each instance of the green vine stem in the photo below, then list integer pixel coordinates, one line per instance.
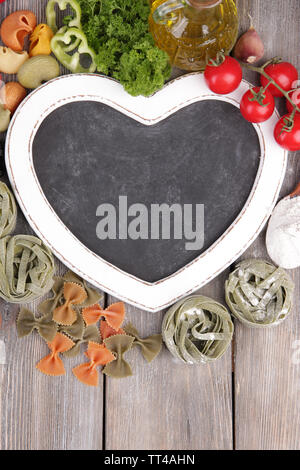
(261, 70)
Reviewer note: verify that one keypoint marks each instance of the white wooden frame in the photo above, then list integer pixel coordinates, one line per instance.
(174, 96)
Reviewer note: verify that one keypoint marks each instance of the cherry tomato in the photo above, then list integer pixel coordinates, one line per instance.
(295, 95)
(252, 110)
(284, 74)
(288, 140)
(224, 78)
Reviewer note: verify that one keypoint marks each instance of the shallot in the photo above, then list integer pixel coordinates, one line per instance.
(249, 47)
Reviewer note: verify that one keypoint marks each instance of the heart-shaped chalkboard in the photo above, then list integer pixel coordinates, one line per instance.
(86, 154)
(94, 151)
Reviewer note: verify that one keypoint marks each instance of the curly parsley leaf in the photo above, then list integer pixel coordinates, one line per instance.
(119, 33)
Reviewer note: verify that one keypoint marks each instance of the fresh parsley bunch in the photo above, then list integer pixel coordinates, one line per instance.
(118, 31)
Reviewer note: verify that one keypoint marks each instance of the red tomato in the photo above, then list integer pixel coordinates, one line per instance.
(255, 112)
(284, 74)
(288, 140)
(295, 95)
(224, 78)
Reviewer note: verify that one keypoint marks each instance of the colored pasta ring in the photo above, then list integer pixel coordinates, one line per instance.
(259, 294)
(197, 330)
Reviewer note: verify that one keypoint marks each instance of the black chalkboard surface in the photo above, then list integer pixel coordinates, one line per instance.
(86, 154)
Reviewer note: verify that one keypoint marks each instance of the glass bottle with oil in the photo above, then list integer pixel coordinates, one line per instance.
(194, 31)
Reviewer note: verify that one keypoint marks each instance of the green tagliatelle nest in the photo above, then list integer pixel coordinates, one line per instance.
(259, 294)
(8, 211)
(26, 268)
(197, 329)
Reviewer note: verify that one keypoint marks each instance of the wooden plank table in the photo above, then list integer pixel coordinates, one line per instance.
(247, 400)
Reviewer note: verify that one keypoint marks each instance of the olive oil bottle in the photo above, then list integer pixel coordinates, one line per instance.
(193, 31)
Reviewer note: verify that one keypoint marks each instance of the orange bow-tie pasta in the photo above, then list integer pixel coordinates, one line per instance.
(114, 315)
(74, 294)
(106, 331)
(52, 364)
(92, 314)
(99, 355)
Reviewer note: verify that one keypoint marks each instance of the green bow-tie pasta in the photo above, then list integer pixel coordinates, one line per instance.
(27, 322)
(26, 268)
(118, 345)
(48, 305)
(91, 333)
(150, 346)
(259, 294)
(76, 330)
(197, 330)
(8, 211)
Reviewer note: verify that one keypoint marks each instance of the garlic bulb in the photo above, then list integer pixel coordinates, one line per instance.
(283, 234)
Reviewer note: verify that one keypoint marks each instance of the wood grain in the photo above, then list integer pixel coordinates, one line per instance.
(267, 383)
(165, 405)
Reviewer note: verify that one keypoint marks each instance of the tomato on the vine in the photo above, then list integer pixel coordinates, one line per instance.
(257, 105)
(295, 96)
(283, 73)
(288, 139)
(224, 78)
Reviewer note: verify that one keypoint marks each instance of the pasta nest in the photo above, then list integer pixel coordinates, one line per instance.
(259, 294)
(197, 330)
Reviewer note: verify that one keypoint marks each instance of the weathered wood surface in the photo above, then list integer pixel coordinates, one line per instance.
(165, 405)
(267, 383)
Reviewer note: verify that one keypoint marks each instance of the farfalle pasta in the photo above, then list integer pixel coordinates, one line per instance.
(106, 331)
(73, 300)
(27, 322)
(92, 314)
(74, 294)
(197, 330)
(26, 268)
(118, 345)
(150, 346)
(52, 363)
(57, 299)
(99, 355)
(114, 314)
(90, 333)
(48, 305)
(76, 330)
(259, 294)
(8, 211)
